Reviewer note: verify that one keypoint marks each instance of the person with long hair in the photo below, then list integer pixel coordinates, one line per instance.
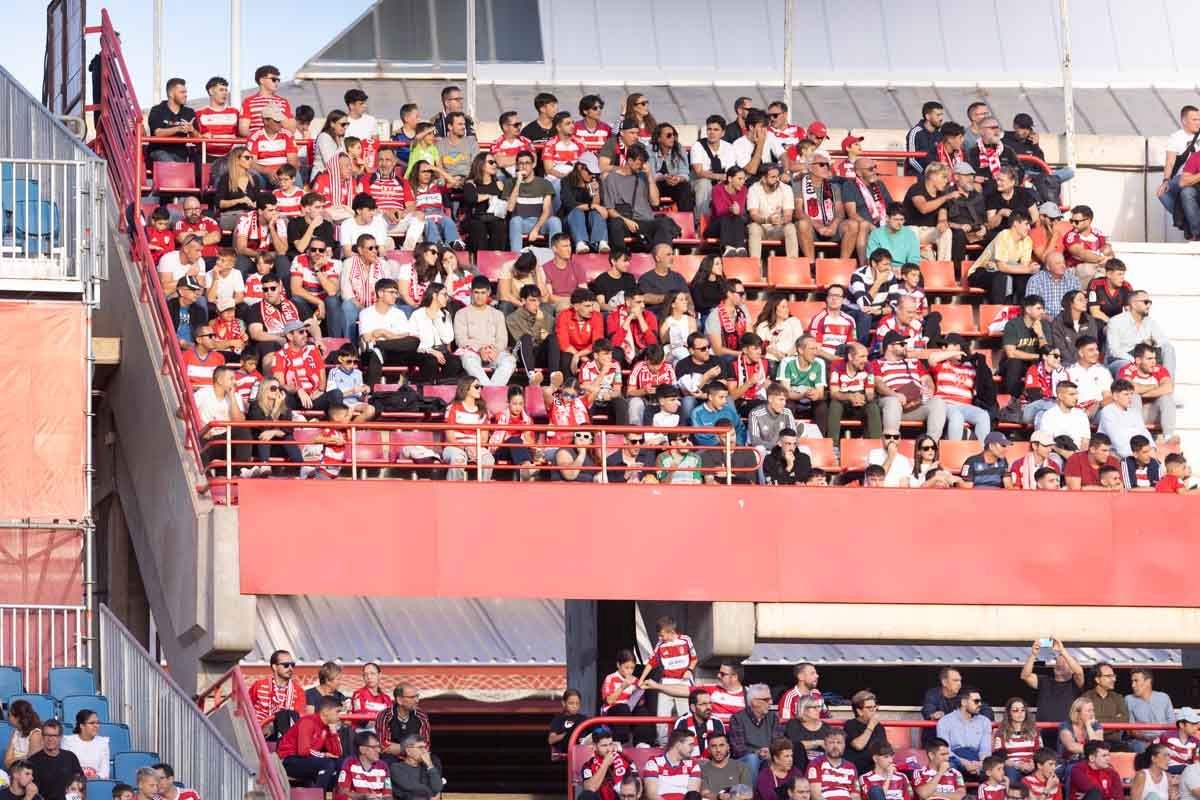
(439, 224)
(926, 457)
(89, 746)
(516, 446)
(26, 737)
(637, 108)
(778, 329)
(1152, 781)
(671, 168)
(462, 445)
(1017, 736)
(515, 275)
(431, 325)
(728, 220)
(677, 325)
(235, 192)
(330, 141)
(414, 278)
(708, 286)
(1080, 727)
(271, 405)
(581, 209)
(456, 275)
(1071, 323)
(481, 199)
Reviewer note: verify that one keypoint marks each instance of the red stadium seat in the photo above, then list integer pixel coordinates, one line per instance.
(371, 451)
(593, 264)
(953, 454)
(489, 262)
(333, 343)
(535, 402)
(640, 264)
(834, 270)
(495, 398)
(900, 738)
(400, 257)
(957, 319)
(938, 277)
(745, 268)
(820, 452)
(966, 287)
(174, 178)
(687, 226)
(855, 451)
(897, 185)
(786, 272)
(1123, 764)
(988, 312)
(753, 309)
(687, 265)
(805, 310)
(887, 167)
(442, 391)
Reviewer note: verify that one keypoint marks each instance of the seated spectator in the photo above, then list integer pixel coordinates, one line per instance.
(882, 781)
(590, 129)
(269, 404)
(1092, 777)
(678, 462)
(674, 774)
(195, 223)
(1007, 260)
(235, 192)
(926, 209)
(1130, 328)
(831, 776)
(201, 359)
(608, 767)
(366, 220)
(1148, 707)
(985, 147)
(416, 776)
(872, 287)
(386, 337)
(707, 286)
(1087, 249)
(430, 202)
(866, 739)
(927, 458)
(530, 206)
(807, 678)
(347, 378)
(630, 463)
(786, 464)
(967, 213)
(482, 338)
(1048, 233)
(1022, 340)
(615, 151)
(755, 728)
(316, 286)
(1018, 740)
(462, 444)
(188, 313)
(1043, 783)
(899, 241)
(988, 469)
(780, 771)
(720, 775)
(752, 375)
(288, 195)
(177, 264)
(771, 206)
(966, 731)
(300, 369)
(263, 230)
(1178, 479)
(614, 281)
(1155, 388)
(1006, 199)
(803, 376)
(1140, 470)
(716, 407)
(905, 389)
(1054, 282)
(893, 466)
(146, 780)
(397, 206)
(695, 371)
(311, 749)
(310, 224)
(807, 732)
(1121, 420)
(954, 373)
(515, 446)
(272, 147)
(225, 284)
(622, 696)
(729, 215)
(832, 327)
(669, 165)
(529, 329)
(400, 720)
(661, 281)
(1082, 470)
(653, 371)
(1151, 778)
(366, 775)
(576, 330)
(328, 678)
(629, 194)
(457, 148)
(700, 721)
(89, 747)
(728, 322)
(600, 379)
(631, 327)
(940, 778)
(168, 789)
(1181, 743)
(924, 137)
(820, 210)
(852, 394)
(562, 150)
(1041, 385)
(1090, 375)
(430, 323)
(565, 408)
(874, 475)
(562, 723)
(1041, 456)
(767, 421)
(1073, 322)
(370, 697)
(710, 157)
(581, 208)
(867, 202)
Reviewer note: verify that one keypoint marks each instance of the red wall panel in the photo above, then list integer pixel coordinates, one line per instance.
(728, 543)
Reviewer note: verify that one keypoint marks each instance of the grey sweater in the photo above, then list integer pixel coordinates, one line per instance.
(475, 327)
(415, 783)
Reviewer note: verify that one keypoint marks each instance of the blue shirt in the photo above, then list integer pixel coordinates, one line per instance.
(981, 474)
(704, 417)
(975, 733)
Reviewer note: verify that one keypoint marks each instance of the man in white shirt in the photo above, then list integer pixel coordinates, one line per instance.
(187, 260)
(219, 402)
(759, 147)
(1130, 328)
(897, 466)
(1121, 419)
(1065, 418)
(771, 204)
(385, 333)
(1180, 144)
(362, 125)
(710, 157)
(1092, 377)
(365, 220)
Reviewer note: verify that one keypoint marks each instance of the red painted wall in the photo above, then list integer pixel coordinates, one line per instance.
(727, 543)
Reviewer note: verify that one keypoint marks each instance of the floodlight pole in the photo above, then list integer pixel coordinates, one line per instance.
(789, 9)
(1064, 13)
(235, 53)
(471, 58)
(158, 73)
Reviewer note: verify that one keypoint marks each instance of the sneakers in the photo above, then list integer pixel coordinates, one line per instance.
(743, 252)
(458, 244)
(582, 247)
(730, 250)
(248, 472)
(603, 247)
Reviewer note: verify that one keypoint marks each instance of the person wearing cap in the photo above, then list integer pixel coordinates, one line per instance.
(852, 147)
(967, 213)
(670, 166)
(1047, 234)
(482, 338)
(1054, 282)
(1024, 471)
(272, 146)
(923, 137)
(711, 156)
(820, 210)
(1183, 746)
(905, 389)
(580, 206)
(817, 133)
(614, 151)
(229, 332)
(954, 372)
(300, 368)
(988, 469)
(186, 310)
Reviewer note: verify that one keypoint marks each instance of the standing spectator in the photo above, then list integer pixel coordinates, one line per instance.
(780, 771)
(608, 767)
(1130, 328)
(771, 205)
(1065, 418)
(895, 238)
(954, 376)
(1148, 707)
(370, 697)
(806, 677)
(1107, 702)
(670, 167)
(1082, 471)
(530, 205)
(820, 210)
(710, 158)
(53, 767)
(482, 338)
(753, 729)
(966, 731)
(1023, 339)
(831, 776)
(905, 389)
(728, 217)
(988, 469)
(882, 781)
(942, 699)
(866, 736)
(1072, 323)
(924, 136)
(328, 678)
(926, 209)
(401, 720)
(675, 654)
(867, 201)
(1121, 420)
(173, 118)
(1154, 386)
(278, 700)
(674, 774)
(1086, 247)
(416, 776)
(719, 774)
(940, 778)
(1092, 777)
(629, 193)
(365, 777)
(1054, 282)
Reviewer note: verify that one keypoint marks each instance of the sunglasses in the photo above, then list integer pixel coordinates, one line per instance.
(668, 135)
(701, 349)
(593, 108)
(1077, 221)
(490, 162)
(284, 664)
(370, 247)
(317, 249)
(204, 335)
(928, 447)
(891, 437)
(633, 441)
(271, 288)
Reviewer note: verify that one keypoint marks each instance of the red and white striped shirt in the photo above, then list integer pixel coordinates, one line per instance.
(269, 151)
(673, 779)
(202, 227)
(356, 778)
(950, 782)
(245, 384)
(789, 704)
(1183, 751)
(391, 194)
(1093, 242)
(258, 235)
(897, 373)
(610, 378)
(559, 152)
(430, 200)
(228, 330)
(1131, 373)
(612, 682)
(955, 382)
(302, 269)
(788, 136)
(200, 370)
(647, 376)
(840, 380)
(894, 786)
(269, 698)
(288, 203)
(218, 123)
(301, 368)
(510, 147)
(836, 781)
(565, 413)
(831, 331)
(675, 657)
(989, 791)
(592, 140)
(255, 104)
(1017, 747)
(914, 339)
(459, 414)
(333, 454)
(1037, 788)
(725, 702)
(364, 700)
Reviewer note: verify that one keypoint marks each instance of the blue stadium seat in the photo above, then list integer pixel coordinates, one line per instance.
(12, 681)
(126, 765)
(72, 704)
(100, 789)
(43, 704)
(118, 737)
(71, 680)
(6, 732)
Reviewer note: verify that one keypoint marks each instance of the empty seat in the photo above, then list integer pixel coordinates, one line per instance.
(6, 732)
(640, 264)
(72, 704)
(957, 319)
(99, 788)
(488, 262)
(495, 398)
(786, 272)
(309, 793)
(747, 269)
(592, 264)
(834, 270)
(535, 402)
(688, 265)
(938, 277)
(897, 185)
(953, 454)
(687, 227)
(118, 737)
(12, 681)
(174, 178)
(445, 392)
(126, 765)
(43, 704)
(990, 314)
(753, 309)
(820, 453)
(805, 310)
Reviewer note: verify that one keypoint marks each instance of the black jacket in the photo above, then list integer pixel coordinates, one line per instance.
(776, 471)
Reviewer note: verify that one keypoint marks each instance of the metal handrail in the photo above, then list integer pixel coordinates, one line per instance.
(239, 693)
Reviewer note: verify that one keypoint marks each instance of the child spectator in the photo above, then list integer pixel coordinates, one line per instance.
(669, 399)
(564, 722)
(229, 332)
(674, 651)
(159, 233)
(287, 196)
(995, 784)
(347, 377)
(223, 282)
(247, 378)
(647, 375)
(333, 444)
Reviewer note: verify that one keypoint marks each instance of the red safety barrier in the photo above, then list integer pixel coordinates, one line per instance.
(238, 692)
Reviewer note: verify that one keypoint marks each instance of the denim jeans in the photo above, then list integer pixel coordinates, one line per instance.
(519, 226)
(440, 229)
(587, 226)
(350, 311)
(959, 413)
(1032, 413)
(1189, 197)
(1171, 196)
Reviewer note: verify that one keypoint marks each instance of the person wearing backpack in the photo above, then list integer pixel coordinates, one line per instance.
(711, 156)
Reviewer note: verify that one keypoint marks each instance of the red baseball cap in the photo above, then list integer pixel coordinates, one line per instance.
(849, 140)
(818, 129)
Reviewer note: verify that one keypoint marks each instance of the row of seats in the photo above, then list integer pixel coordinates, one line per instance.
(29, 224)
(64, 708)
(61, 682)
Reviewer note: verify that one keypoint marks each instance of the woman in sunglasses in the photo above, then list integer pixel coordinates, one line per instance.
(439, 225)
(270, 404)
(670, 167)
(927, 458)
(486, 209)
(637, 108)
(236, 190)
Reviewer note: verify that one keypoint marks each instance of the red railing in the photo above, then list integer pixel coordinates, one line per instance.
(120, 134)
(212, 698)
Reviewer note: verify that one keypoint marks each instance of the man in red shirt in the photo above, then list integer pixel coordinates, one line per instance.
(365, 777)
(217, 120)
(607, 767)
(278, 701)
(939, 779)
(267, 78)
(272, 146)
(1086, 249)
(1093, 778)
(806, 676)
(312, 749)
(167, 790)
(195, 222)
(201, 359)
(1082, 470)
(300, 368)
(576, 329)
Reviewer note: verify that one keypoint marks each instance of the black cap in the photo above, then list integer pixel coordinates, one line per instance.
(891, 338)
(629, 124)
(1023, 121)
(190, 282)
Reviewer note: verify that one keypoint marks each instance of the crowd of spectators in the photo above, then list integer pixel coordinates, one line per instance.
(732, 741)
(349, 235)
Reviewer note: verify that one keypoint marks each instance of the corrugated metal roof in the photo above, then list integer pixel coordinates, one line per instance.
(411, 631)
(887, 655)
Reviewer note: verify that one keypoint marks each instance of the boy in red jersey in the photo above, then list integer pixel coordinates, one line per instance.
(677, 657)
